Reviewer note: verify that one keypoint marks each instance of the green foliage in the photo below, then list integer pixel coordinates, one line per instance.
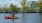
(23, 3)
(39, 5)
(14, 8)
(1, 10)
(31, 10)
(6, 9)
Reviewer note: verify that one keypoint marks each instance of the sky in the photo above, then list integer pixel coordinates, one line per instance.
(15, 2)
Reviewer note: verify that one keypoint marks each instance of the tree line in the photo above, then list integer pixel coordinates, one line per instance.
(11, 8)
(25, 8)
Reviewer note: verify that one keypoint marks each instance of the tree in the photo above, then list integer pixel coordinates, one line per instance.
(1, 10)
(14, 8)
(23, 3)
(39, 5)
(6, 9)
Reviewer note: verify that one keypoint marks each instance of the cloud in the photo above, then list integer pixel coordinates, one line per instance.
(16, 2)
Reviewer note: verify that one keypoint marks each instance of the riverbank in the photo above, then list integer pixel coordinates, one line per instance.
(21, 12)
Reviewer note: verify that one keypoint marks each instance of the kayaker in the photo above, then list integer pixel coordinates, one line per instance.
(13, 14)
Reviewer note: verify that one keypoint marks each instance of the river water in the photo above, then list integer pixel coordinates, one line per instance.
(26, 18)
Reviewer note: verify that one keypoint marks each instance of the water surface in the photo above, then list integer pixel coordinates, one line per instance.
(26, 18)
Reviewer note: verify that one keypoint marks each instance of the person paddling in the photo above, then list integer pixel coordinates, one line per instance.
(13, 14)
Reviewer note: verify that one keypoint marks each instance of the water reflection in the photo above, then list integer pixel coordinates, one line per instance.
(31, 18)
(40, 17)
(26, 18)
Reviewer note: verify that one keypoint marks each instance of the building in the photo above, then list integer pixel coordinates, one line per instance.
(40, 0)
(32, 5)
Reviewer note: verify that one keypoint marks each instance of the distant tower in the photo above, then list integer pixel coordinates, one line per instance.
(32, 4)
(40, 0)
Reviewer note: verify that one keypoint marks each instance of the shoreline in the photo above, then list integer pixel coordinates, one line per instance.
(21, 12)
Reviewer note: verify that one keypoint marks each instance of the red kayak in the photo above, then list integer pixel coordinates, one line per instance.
(10, 17)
